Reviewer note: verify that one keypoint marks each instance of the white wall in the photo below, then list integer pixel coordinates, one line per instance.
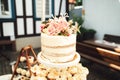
(33, 41)
(103, 16)
(8, 30)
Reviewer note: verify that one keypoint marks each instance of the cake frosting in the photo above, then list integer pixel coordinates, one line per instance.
(58, 48)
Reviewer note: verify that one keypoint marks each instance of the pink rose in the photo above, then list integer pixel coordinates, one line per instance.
(42, 27)
(51, 30)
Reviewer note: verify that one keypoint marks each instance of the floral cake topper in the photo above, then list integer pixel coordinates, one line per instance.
(59, 26)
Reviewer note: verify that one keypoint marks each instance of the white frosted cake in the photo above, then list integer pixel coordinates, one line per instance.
(58, 41)
(58, 48)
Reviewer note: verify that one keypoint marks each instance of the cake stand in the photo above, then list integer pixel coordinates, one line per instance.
(47, 63)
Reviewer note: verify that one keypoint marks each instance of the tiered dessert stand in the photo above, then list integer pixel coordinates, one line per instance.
(25, 52)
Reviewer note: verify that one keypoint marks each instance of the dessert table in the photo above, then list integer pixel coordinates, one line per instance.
(5, 77)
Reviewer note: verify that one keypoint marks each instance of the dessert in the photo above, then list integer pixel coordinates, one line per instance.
(77, 72)
(58, 41)
(58, 48)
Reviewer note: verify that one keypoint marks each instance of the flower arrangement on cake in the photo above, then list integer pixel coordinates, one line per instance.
(59, 26)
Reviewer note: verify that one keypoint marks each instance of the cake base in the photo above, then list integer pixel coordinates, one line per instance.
(46, 62)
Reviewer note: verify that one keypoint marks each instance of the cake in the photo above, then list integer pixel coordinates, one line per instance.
(58, 40)
(58, 48)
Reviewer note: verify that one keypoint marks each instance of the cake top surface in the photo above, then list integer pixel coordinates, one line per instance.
(59, 26)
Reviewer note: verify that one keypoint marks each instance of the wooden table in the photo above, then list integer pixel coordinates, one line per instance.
(8, 42)
(92, 42)
(100, 53)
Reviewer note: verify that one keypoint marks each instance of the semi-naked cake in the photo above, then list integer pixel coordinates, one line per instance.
(58, 48)
(58, 41)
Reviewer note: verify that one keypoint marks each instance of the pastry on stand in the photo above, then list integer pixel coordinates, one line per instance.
(26, 61)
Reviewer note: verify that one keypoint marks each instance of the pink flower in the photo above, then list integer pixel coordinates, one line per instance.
(42, 27)
(63, 24)
(51, 30)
